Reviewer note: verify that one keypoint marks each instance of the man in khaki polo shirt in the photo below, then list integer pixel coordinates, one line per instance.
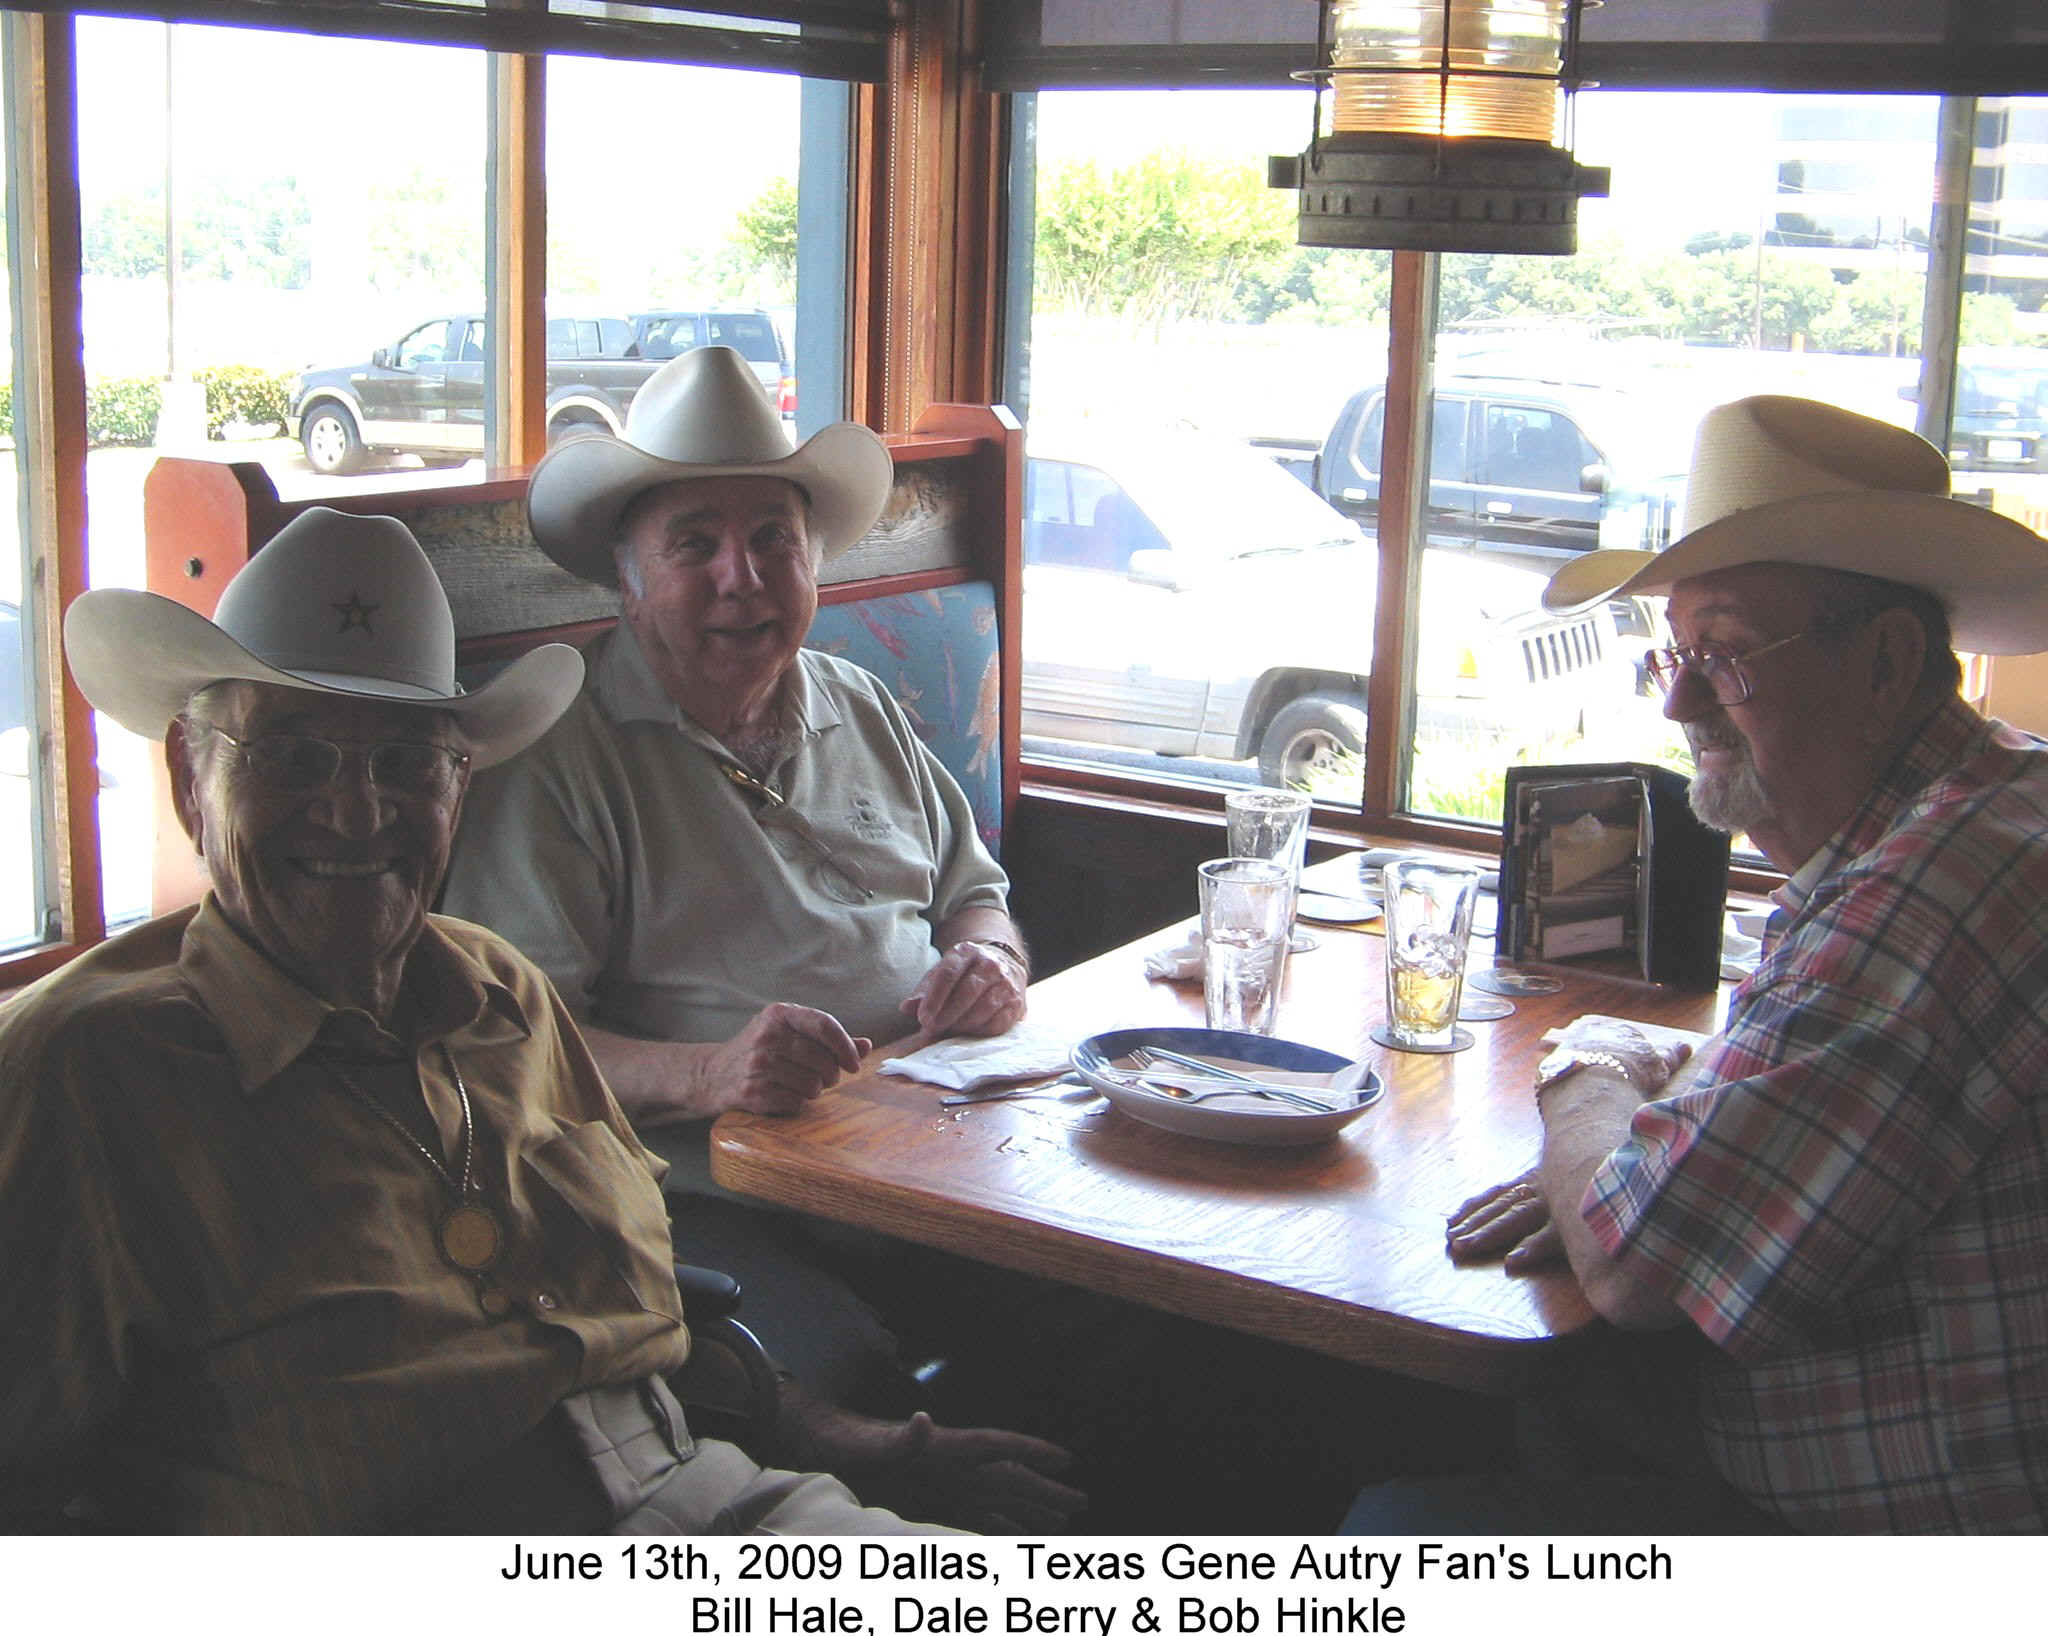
(733, 856)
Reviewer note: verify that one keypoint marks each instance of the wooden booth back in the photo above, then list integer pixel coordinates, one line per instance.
(927, 600)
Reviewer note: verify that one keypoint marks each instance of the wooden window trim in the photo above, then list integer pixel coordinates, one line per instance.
(49, 417)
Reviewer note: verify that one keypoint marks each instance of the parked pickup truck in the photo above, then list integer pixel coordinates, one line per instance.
(1523, 469)
(424, 394)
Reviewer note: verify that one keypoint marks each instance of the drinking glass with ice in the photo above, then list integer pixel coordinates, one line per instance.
(1429, 927)
(1245, 902)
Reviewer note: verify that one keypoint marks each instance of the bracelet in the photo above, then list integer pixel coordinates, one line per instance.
(1547, 1076)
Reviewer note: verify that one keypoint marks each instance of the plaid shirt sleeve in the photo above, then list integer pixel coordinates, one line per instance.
(1882, 1050)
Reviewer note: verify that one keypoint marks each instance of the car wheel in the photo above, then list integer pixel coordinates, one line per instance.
(1308, 735)
(329, 436)
(569, 427)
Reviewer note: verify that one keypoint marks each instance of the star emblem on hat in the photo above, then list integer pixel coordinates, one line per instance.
(355, 613)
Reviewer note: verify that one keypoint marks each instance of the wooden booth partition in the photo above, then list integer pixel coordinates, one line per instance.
(954, 520)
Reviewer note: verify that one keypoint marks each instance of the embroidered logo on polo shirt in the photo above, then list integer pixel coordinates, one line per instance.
(868, 820)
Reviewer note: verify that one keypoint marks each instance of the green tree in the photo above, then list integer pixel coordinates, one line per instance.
(1166, 237)
(423, 233)
(1876, 314)
(124, 236)
(1994, 321)
(764, 236)
(231, 230)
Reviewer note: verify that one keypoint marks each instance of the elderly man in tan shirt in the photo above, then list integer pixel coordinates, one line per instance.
(318, 1214)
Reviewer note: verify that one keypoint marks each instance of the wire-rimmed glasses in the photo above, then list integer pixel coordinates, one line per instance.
(299, 763)
(1723, 670)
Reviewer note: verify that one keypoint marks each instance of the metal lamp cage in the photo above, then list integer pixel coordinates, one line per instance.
(1435, 190)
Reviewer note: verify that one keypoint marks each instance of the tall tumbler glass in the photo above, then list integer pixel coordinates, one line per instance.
(1272, 824)
(1244, 941)
(1429, 926)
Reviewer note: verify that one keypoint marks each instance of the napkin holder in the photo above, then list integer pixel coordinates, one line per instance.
(1604, 864)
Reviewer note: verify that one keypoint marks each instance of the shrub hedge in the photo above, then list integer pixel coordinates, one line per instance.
(258, 398)
(124, 409)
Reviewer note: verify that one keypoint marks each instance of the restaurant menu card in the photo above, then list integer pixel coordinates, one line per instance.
(1605, 864)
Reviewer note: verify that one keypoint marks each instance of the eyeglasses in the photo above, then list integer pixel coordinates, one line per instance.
(1723, 672)
(298, 763)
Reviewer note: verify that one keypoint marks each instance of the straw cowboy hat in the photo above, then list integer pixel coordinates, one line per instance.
(702, 414)
(1789, 480)
(335, 604)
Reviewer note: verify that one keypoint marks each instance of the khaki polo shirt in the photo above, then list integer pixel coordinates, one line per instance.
(667, 902)
(224, 1305)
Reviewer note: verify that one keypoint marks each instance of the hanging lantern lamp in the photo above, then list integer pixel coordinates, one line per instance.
(1448, 128)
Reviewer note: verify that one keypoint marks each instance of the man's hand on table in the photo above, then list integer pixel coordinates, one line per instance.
(990, 1481)
(1513, 1220)
(782, 1059)
(976, 988)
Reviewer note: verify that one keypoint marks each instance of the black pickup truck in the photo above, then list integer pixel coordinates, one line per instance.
(424, 394)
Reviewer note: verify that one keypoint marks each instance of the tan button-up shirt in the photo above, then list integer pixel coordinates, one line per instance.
(225, 1305)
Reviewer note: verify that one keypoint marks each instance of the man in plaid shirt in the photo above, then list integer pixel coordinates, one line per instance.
(1846, 1191)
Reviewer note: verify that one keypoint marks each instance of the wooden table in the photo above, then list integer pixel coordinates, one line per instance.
(1337, 1247)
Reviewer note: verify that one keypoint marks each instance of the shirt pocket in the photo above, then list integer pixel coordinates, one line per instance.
(599, 1181)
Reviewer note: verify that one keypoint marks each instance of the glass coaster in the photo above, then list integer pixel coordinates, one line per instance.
(1461, 1040)
(1477, 1008)
(1300, 942)
(1505, 980)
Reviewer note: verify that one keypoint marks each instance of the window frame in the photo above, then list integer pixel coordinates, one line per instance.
(49, 416)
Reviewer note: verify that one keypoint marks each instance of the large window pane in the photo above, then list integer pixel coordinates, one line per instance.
(1752, 243)
(654, 249)
(1191, 607)
(262, 212)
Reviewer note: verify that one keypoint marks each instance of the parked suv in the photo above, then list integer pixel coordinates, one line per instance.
(424, 394)
(752, 335)
(1522, 468)
(1185, 596)
(2001, 418)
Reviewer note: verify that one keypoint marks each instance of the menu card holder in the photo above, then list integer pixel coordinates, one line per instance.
(1604, 864)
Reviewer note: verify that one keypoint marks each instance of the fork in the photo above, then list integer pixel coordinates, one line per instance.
(1146, 1056)
(1152, 1056)
(1265, 1093)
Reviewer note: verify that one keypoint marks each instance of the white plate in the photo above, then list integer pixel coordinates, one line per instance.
(1247, 1119)
(1332, 909)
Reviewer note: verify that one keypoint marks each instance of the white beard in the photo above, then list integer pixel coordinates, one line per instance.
(1731, 801)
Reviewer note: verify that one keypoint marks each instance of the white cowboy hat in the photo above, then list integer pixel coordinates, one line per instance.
(1778, 479)
(335, 604)
(702, 414)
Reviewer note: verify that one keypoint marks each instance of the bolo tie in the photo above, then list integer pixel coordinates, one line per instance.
(469, 1236)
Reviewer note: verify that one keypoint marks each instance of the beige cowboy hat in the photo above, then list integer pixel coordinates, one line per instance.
(702, 414)
(1777, 479)
(335, 604)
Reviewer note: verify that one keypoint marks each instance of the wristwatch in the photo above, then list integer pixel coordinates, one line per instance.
(1567, 1060)
(1015, 954)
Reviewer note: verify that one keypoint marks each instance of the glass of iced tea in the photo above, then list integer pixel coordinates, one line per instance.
(1429, 925)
